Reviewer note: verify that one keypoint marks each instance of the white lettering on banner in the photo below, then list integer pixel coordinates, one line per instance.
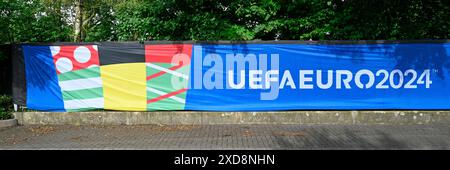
(287, 79)
(304, 79)
(344, 79)
(263, 72)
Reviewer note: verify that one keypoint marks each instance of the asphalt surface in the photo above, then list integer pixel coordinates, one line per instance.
(187, 137)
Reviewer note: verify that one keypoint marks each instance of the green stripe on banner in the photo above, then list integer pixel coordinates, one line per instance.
(80, 74)
(161, 85)
(83, 94)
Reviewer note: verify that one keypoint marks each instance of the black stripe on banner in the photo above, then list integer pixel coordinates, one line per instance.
(120, 53)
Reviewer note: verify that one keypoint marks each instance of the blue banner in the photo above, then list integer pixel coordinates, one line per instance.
(239, 77)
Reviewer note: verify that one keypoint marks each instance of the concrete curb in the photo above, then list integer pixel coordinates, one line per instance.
(8, 123)
(194, 117)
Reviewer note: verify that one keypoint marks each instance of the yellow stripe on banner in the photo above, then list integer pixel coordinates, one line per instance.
(124, 86)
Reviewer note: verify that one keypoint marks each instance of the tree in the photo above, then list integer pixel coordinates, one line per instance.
(78, 23)
(91, 20)
(32, 21)
(144, 20)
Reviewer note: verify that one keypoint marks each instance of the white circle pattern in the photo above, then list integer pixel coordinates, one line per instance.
(64, 64)
(82, 54)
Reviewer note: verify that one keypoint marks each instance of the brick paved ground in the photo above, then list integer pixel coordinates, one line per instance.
(227, 137)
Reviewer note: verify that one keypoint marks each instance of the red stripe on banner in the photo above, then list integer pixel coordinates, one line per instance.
(163, 53)
(76, 57)
(166, 96)
(163, 72)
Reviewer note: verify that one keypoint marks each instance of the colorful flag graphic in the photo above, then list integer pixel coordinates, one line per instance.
(78, 73)
(168, 69)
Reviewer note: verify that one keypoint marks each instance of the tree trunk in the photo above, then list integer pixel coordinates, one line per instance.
(78, 21)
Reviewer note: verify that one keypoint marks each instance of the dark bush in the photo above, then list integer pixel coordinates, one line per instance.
(6, 107)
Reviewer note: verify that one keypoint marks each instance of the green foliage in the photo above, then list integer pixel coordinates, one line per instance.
(394, 19)
(143, 20)
(6, 107)
(99, 20)
(32, 21)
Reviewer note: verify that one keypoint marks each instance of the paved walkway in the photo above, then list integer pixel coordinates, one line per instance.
(227, 137)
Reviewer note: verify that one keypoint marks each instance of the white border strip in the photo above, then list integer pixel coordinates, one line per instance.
(80, 84)
(84, 103)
